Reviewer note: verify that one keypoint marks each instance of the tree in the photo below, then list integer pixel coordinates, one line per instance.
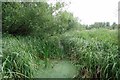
(114, 25)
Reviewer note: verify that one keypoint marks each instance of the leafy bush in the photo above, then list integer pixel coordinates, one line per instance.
(36, 19)
(16, 20)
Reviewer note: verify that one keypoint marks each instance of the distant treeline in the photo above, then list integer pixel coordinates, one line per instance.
(102, 25)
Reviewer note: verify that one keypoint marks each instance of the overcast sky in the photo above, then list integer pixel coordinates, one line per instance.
(90, 11)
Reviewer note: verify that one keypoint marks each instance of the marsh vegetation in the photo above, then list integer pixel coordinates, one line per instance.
(37, 44)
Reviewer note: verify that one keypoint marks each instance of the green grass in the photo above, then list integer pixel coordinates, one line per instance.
(94, 48)
(95, 51)
(17, 58)
(22, 54)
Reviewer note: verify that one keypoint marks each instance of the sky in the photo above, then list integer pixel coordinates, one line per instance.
(90, 11)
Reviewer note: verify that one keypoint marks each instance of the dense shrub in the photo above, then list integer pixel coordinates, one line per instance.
(35, 18)
(16, 18)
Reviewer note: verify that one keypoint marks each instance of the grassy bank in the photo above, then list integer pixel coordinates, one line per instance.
(94, 52)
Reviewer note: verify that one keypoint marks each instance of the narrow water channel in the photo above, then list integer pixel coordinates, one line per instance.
(57, 69)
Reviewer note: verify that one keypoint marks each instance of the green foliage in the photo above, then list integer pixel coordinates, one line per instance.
(16, 20)
(114, 26)
(93, 48)
(16, 59)
(98, 25)
(45, 31)
(28, 18)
